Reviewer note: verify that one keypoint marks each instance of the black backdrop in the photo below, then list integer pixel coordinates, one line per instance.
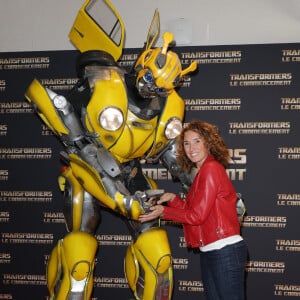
(252, 92)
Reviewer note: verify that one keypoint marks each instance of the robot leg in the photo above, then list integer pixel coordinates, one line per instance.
(148, 266)
(70, 267)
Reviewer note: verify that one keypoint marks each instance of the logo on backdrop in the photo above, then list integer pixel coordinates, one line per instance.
(2, 85)
(288, 153)
(288, 200)
(180, 263)
(24, 279)
(290, 55)
(25, 153)
(24, 63)
(158, 173)
(59, 83)
(215, 104)
(212, 57)
(286, 290)
(53, 217)
(260, 79)
(255, 266)
(26, 196)
(3, 129)
(4, 175)
(15, 108)
(46, 130)
(190, 286)
(265, 221)
(26, 238)
(238, 157)
(5, 258)
(113, 239)
(127, 60)
(287, 245)
(4, 216)
(111, 282)
(262, 127)
(288, 103)
(182, 243)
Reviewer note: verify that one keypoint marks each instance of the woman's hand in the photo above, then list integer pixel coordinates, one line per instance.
(156, 212)
(166, 197)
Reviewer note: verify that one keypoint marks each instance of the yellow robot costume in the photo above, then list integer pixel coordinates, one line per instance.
(108, 122)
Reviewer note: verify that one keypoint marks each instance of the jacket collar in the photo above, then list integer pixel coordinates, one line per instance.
(207, 159)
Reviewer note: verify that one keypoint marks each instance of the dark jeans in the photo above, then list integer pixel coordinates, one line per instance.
(223, 272)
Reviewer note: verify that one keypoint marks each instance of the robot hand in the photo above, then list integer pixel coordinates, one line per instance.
(149, 198)
(140, 202)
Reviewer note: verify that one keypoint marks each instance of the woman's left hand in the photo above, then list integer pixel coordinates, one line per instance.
(156, 212)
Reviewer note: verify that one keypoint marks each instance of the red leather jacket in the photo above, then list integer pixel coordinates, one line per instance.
(209, 211)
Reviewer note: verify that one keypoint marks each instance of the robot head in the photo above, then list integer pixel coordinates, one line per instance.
(159, 71)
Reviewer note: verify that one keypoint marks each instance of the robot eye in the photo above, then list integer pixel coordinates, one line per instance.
(148, 77)
(161, 92)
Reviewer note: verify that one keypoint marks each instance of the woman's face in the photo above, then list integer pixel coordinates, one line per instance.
(194, 147)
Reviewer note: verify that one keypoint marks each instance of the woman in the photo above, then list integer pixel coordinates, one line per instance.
(208, 213)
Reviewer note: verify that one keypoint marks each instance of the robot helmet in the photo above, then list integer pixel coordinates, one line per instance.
(159, 71)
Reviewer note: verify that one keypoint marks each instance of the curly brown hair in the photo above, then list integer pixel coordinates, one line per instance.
(213, 141)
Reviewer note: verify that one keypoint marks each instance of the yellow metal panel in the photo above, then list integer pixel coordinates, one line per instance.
(37, 94)
(86, 34)
(90, 180)
(106, 93)
(174, 108)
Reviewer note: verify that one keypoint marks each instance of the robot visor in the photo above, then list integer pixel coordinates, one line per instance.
(147, 87)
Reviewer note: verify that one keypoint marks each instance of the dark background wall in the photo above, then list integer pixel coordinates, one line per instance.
(252, 92)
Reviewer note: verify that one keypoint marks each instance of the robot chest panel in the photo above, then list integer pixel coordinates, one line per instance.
(135, 140)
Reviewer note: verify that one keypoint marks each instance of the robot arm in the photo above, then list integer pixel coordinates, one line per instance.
(168, 159)
(56, 112)
(99, 174)
(94, 166)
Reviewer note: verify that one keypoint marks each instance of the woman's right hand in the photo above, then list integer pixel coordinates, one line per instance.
(166, 197)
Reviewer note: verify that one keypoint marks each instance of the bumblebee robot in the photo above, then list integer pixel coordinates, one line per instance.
(108, 123)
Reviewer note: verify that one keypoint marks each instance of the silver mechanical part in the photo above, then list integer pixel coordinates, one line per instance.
(149, 195)
(240, 207)
(101, 160)
(60, 102)
(169, 161)
(108, 162)
(96, 73)
(69, 118)
(142, 197)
